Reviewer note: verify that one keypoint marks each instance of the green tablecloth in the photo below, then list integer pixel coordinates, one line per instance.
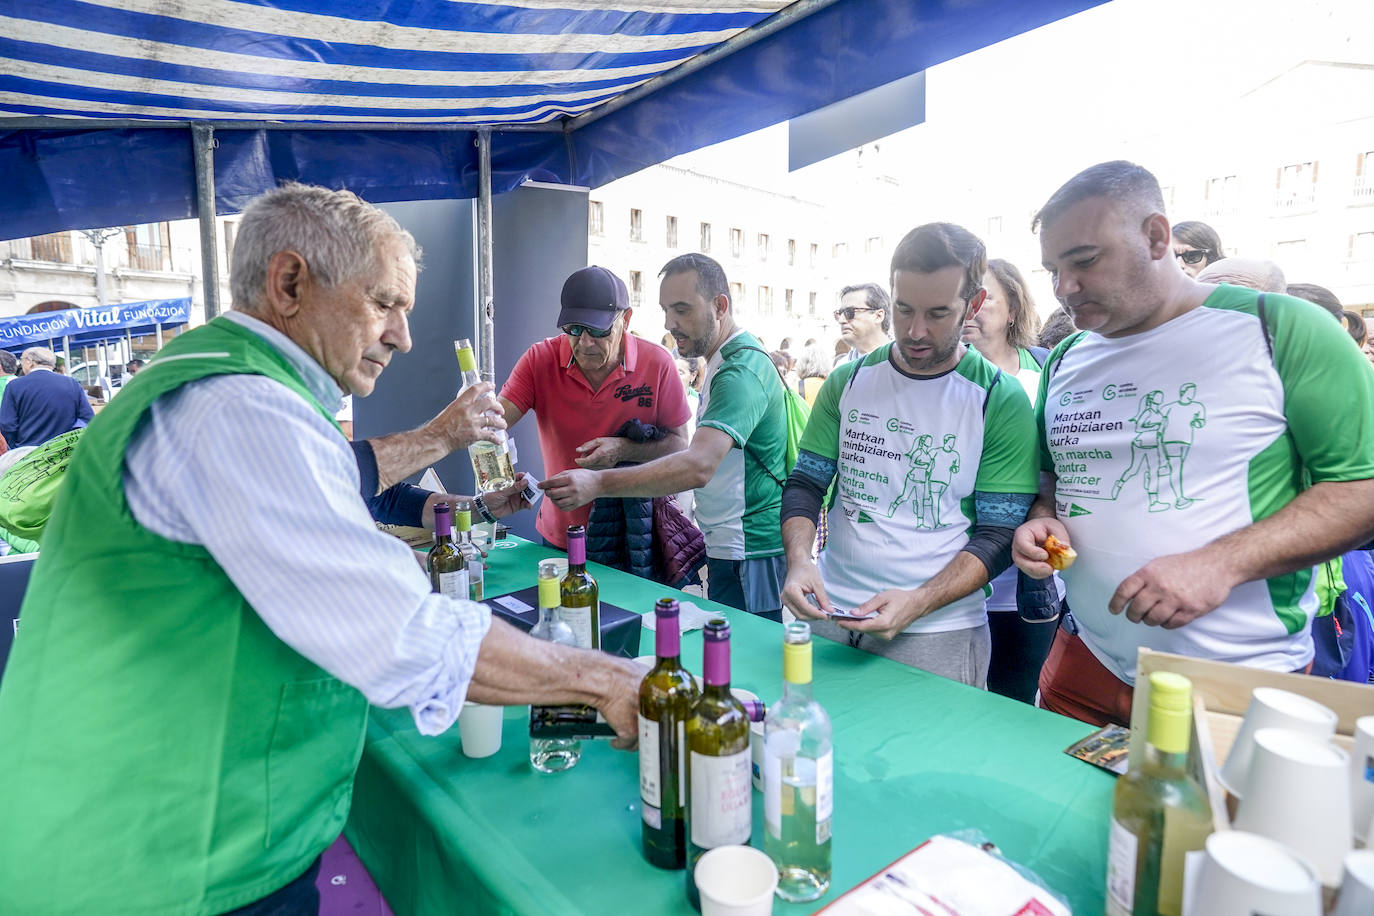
(915, 755)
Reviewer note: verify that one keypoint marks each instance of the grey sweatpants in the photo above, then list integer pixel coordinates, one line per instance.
(960, 655)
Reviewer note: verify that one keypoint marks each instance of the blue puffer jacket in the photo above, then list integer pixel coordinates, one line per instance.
(620, 533)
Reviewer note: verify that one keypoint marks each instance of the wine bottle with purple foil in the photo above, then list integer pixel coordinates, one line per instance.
(719, 789)
(666, 697)
(448, 567)
(579, 596)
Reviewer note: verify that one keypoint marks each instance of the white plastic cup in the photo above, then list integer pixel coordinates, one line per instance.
(1362, 781)
(736, 881)
(1298, 793)
(479, 726)
(1273, 708)
(1356, 897)
(1242, 874)
(755, 740)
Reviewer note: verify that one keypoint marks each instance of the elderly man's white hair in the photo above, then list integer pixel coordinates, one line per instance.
(1264, 276)
(336, 232)
(40, 356)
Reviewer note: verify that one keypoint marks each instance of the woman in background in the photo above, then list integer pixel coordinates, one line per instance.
(812, 368)
(1196, 245)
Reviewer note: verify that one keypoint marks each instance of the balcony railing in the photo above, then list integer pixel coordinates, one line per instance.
(55, 247)
(149, 257)
(1295, 200)
(1363, 191)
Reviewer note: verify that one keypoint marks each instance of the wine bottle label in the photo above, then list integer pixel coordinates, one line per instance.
(1121, 864)
(825, 794)
(454, 584)
(681, 764)
(721, 800)
(649, 783)
(580, 620)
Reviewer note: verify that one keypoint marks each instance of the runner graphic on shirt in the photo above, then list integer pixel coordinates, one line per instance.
(944, 464)
(1182, 419)
(1147, 452)
(932, 471)
(917, 488)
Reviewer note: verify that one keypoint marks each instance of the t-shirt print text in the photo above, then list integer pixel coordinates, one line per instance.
(645, 393)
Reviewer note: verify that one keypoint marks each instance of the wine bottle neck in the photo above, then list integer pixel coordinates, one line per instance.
(1165, 763)
(667, 638)
(796, 693)
(716, 663)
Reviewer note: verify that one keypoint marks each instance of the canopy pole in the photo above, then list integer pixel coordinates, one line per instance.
(159, 335)
(67, 350)
(484, 257)
(203, 141)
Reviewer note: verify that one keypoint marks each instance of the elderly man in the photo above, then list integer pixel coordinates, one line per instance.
(1234, 384)
(41, 403)
(864, 317)
(1252, 273)
(736, 459)
(214, 609)
(587, 383)
(932, 452)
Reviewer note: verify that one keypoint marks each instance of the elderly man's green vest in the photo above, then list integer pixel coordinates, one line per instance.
(161, 751)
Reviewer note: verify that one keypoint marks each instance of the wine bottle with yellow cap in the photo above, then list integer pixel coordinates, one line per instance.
(1159, 812)
(798, 768)
(491, 461)
(551, 754)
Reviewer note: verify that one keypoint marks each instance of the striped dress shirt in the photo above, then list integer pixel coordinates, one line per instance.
(244, 467)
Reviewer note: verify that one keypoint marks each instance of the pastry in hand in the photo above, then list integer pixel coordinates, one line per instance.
(1061, 554)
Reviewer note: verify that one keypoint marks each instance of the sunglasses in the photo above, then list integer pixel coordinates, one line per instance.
(849, 312)
(577, 330)
(1192, 255)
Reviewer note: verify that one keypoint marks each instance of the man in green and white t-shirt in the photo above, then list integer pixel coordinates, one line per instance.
(736, 460)
(931, 448)
(1190, 452)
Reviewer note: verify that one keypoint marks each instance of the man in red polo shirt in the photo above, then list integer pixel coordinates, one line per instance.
(584, 384)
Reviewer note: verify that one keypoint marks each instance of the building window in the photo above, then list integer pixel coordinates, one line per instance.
(1364, 176)
(839, 249)
(737, 293)
(55, 246)
(994, 225)
(763, 245)
(596, 217)
(1221, 195)
(1290, 250)
(1362, 246)
(787, 301)
(149, 246)
(1297, 186)
(873, 243)
(636, 225)
(791, 252)
(670, 236)
(765, 300)
(736, 243)
(811, 301)
(815, 253)
(636, 288)
(705, 238)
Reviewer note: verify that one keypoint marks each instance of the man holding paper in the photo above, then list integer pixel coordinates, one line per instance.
(932, 453)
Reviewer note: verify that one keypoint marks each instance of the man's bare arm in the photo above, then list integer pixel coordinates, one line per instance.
(608, 451)
(514, 669)
(685, 470)
(457, 426)
(1322, 522)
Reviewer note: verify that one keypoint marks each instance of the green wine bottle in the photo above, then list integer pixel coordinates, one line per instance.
(719, 790)
(666, 698)
(448, 568)
(1159, 812)
(579, 597)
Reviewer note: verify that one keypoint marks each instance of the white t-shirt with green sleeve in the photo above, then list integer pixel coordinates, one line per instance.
(1167, 440)
(910, 452)
(739, 509)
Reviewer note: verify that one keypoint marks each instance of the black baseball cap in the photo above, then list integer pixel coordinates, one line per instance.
(592, 296)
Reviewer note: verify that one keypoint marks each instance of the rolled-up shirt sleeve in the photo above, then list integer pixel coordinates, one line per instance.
(247, 469)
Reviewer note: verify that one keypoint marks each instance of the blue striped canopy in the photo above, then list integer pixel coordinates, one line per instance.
(96, 95)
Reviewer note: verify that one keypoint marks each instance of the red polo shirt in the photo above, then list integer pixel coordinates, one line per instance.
(645, 387)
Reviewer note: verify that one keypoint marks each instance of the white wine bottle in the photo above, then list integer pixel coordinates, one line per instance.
(1159, 812)
(551, 754)
(719, 787)
(448, 568)
(580, 598)
(798, 768)
(666, 697)
(491, 461)
(462, 518)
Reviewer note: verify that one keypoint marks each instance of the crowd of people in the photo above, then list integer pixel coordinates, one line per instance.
(207, 743)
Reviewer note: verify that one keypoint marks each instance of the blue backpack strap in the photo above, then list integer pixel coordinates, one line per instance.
(1039, 354)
